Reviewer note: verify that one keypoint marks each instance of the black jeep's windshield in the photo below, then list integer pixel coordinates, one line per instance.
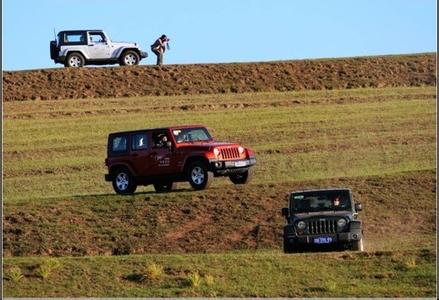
(185, 135)
(320, 201)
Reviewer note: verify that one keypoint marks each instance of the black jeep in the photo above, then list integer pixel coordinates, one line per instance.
(321, 220)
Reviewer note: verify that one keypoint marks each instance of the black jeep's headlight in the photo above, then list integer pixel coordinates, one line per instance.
(301, 225)
(341, 223)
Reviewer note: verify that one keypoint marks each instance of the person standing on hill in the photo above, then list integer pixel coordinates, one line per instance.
(159, 47)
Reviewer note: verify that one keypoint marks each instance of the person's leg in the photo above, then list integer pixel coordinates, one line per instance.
(157, 53)
(160, 60)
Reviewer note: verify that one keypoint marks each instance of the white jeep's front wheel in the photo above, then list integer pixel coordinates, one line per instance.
(129, 58)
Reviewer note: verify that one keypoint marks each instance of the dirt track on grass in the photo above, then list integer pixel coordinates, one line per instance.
(68, 83)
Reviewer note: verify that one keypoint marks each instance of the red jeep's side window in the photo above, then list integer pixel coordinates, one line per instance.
(119, 144)
(139, 141)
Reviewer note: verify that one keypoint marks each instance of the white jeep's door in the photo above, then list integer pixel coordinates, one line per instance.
(98, 47)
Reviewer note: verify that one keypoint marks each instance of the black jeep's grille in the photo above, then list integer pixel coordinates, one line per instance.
(229, 153)
(321, 226)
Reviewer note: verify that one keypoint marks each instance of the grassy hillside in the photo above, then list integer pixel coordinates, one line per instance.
(57, 149)
(380, 142)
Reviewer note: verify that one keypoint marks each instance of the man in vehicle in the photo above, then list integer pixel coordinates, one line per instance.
(159, 47)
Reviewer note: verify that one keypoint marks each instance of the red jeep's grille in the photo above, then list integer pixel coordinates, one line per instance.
(229, 153)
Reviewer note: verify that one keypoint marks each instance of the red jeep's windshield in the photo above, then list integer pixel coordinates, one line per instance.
(185, 135)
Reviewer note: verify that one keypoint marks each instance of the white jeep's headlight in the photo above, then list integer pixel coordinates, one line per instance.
(341, 223)
(240, 150)
(301, 225)
(216, 151)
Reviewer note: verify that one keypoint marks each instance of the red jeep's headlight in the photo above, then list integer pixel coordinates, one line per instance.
(241, 150)
(216, 151)
(250, 153)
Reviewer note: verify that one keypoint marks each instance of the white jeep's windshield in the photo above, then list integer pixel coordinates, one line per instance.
(183, 135)
(320, 201)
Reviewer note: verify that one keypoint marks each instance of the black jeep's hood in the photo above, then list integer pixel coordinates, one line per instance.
(323, 214)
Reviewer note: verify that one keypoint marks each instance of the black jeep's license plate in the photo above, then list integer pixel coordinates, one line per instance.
(323, 240)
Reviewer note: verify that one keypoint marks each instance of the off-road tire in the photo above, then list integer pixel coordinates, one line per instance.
(242, 178)
(164, 187)
(358, 245)
(287, 247)
(123, 182)
(198, 175)
(74, 60)
(129, 58)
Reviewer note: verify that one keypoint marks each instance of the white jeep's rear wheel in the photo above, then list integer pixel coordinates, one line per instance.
(129, 58)
(74, 60)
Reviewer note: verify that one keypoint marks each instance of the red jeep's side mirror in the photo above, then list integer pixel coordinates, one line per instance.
(285, 211)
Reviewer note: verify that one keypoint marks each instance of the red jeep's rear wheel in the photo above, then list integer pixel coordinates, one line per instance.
(198, 175)
(123, 182)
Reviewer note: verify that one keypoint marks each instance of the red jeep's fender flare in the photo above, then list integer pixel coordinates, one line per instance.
(195, 157)
(121, 165)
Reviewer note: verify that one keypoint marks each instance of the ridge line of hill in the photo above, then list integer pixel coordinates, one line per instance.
(314, 74)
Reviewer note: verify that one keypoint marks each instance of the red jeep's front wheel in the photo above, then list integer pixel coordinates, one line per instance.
(242, 178)
(198, 175)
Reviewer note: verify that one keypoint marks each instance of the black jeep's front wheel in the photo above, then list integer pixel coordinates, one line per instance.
(287, 247)
(164, 187)
(358, 245)
(129, 58)
(74, 60)
(242, 178)
(123, 182)
(198, 175)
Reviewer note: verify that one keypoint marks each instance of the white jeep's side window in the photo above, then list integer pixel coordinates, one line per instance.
(74, 38)
(97, 37)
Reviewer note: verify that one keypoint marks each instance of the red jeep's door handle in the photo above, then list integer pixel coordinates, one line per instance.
(135, 154)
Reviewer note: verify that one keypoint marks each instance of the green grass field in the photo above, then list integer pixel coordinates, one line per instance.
(381, 142)
(243, 274)
(57, 148)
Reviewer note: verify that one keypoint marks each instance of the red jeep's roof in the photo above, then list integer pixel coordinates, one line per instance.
(160, 128)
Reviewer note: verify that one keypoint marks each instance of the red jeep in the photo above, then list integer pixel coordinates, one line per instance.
(164, 156)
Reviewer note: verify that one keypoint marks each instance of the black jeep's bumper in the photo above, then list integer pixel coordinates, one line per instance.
(354, 234)
(227, 167)
(337, 238)
(143, 54)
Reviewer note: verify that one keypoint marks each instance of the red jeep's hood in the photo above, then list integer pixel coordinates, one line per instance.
(207, 144)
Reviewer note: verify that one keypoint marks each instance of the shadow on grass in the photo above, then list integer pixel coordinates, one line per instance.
(130, 196)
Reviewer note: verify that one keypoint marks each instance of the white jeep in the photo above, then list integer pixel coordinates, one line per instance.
(76, 48)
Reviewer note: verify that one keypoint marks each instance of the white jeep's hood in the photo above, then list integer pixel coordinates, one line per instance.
(125, 44)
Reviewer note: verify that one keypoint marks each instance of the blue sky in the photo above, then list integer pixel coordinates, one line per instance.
(225, 30)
